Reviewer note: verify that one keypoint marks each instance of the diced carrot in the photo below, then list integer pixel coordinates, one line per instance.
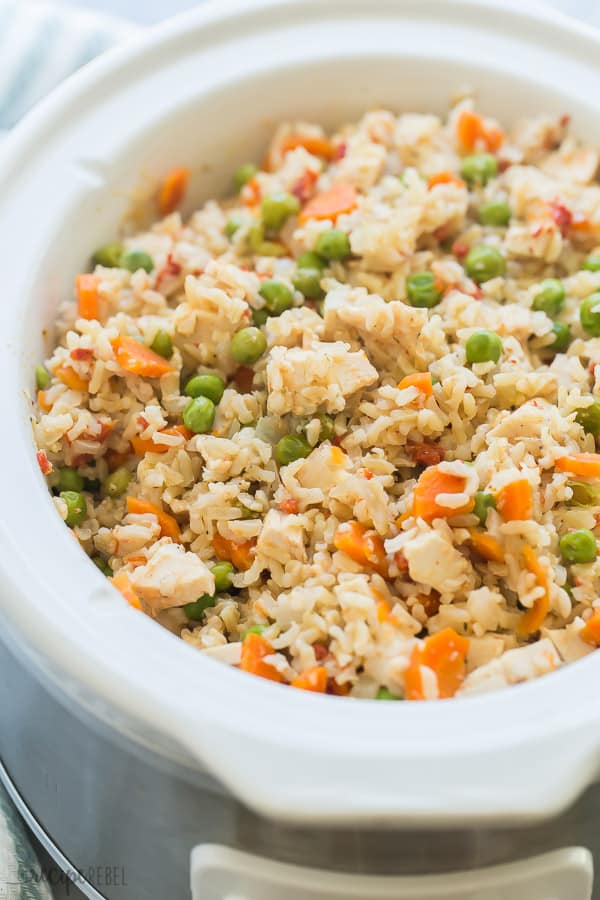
(493, 137)
(362, 545)
(590, 633)
(123, 584)
(431, 483)
(116, 458)
(444, 178)
(318, 146)
(337, 455)
(533, 619)
(289, 505)
(136, 561)
(471, 129)
(487, 546)
(445, 653)
(42, 401)
(240, 555)
(70, 377)
(138, 359)
(585, 464)
(338, 199)
(168, 524)
(251, 193)
(515, 500)
(420, 380)
(86, 288)
(254, 650)
(172, 190)
(313, 679)
(141, 446)
(44, 463)
(383, 610)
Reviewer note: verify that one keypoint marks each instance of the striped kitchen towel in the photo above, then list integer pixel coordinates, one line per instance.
(41, 43)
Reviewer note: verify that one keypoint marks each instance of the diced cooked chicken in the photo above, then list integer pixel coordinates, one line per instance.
(572, 162)
(226, 458)
(171, 577)
(325, 467)
(281, 537)
(514, 666)
(541, 240)
(294, 327)
(433, 560)
(138, 531)
(568, 643)
(322, 376)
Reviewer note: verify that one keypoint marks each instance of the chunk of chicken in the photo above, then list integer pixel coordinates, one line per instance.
(302, 381)
(433, 560)
(281, 537)
(514, 666)
(171, 577)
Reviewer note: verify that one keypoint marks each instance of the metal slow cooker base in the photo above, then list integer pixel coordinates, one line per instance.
(108, 804)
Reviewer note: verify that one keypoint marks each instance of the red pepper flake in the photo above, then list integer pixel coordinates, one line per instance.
(504, 164)
(289, 505)
(82, 353)
(304, 187)
(366, 473)
(562, 216)
(460, 249)
(339, 151)
(426, 454)
(320, 650)
(142, 422)
(44, 463)
(442, 233)
(401, 561)
(171, 269)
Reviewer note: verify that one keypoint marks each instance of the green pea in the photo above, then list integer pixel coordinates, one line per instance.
(232, 225)
(115, 484)
(327, 427)
(70, 480)
(422, 291)
(483, 346)
(495, 212)
(223, 572)
(271, 248)
(311, 260)
(333, 244)
(290, 448)
(277, 296)
(589, 314)
(578, 546)
(584, 493)
(102, 565)
(589, 418)
(550, 298)
(562, 337)
(42, 378)
(308, 282)
(483, 263)
(478, 168)
(197, 609)
(208, 385)
(162, 344)
(254, 629)
(76, 507)
(243, 175)
(483, 502)
(132, 260)
(248, 345)
(384, 694)
(592, 264)
(276, 208)
(109, 255)
(259, 317)
(199, 415)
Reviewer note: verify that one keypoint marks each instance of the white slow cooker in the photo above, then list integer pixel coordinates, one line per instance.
(128, 749)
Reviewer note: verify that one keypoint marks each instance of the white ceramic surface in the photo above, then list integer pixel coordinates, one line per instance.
(204, 90)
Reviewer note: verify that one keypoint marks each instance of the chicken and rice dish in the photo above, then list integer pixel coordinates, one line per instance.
(339, 430)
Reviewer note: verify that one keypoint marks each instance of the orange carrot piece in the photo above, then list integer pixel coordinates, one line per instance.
(42, 401)
(86, 288)
(493, 137)
(168, 524)
(585, 464)
(240, 555)
(533, 619)
(70, 377)
(444, 178)
(445, 653)
(251, 193)
(254, 650)
(337, 456)
(468, 130)
(420, 380)
(487, 546)
(431, 483)
(339, 198)
(590, 633)
(172, 190)
(362, 545)
(141, 446)
(515, 500)
(136, 358)
(313, 679)
(318, 146)
(124, 586)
